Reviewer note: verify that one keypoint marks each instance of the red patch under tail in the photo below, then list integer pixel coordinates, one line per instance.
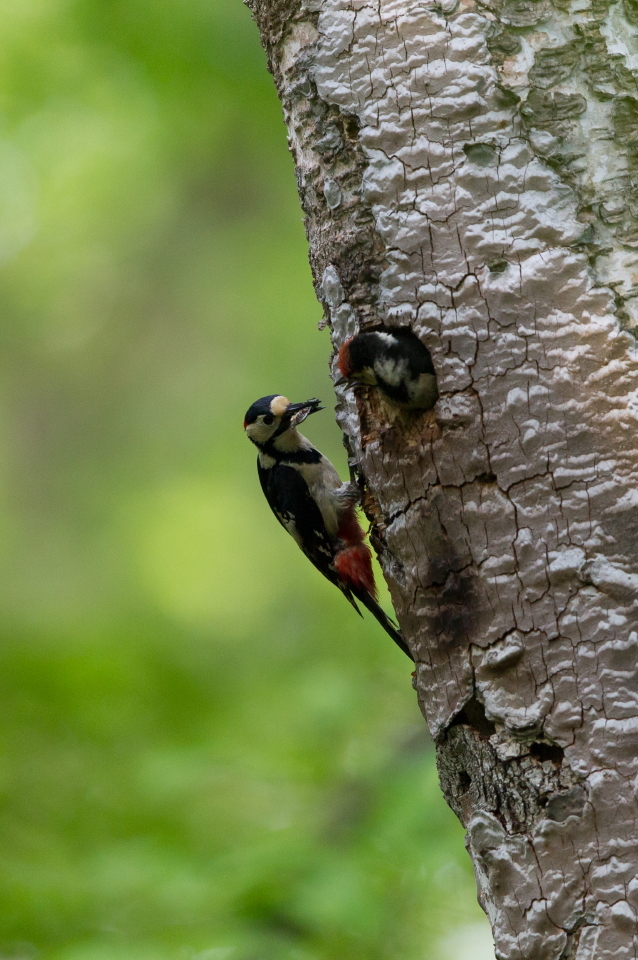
(354, 562)
(354, 567)
(349, 530)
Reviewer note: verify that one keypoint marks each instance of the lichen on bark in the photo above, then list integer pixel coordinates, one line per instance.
(470, 169)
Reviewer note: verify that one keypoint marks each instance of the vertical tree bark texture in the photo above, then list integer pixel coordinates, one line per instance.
(471, 170)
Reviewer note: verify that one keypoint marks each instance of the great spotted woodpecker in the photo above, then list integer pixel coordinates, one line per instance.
(396, 362)
(308, 498)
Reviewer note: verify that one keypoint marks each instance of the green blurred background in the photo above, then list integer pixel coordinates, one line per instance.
(204, 754)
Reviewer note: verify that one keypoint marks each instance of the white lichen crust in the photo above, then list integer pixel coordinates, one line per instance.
(453, 168)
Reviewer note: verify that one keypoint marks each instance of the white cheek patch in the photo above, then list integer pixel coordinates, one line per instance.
(258, 432)
(279, 405)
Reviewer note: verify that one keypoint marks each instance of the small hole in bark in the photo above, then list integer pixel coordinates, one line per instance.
(473, 715)
(498, 266)
(547, 751)
(351, 127)
(486, 478)
(465, 782)
(482, 154)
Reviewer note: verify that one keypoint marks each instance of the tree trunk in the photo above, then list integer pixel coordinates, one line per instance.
(471, 170)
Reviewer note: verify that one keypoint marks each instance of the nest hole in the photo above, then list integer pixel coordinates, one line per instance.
(542, 751)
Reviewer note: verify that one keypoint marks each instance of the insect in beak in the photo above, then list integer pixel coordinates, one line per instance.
(300, 411)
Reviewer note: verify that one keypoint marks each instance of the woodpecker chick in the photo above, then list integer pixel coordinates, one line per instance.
(318, 510)
(394, 361)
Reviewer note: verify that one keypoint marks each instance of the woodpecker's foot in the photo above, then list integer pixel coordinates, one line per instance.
(353, 467)
(350, 493)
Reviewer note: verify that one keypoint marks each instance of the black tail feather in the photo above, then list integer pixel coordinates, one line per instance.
(348, 595)
(381, 616)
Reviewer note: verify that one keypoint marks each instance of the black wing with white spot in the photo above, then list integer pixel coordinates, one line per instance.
(289, 499)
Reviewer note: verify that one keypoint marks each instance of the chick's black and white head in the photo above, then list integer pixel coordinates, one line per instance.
(395, 361)
(357, 358)
(273, 416)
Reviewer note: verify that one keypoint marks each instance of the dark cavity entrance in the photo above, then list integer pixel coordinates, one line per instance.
(547, 751)
(473, 715)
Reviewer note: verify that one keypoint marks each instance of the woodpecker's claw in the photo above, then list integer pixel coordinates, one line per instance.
(350, 493)
(354, 470)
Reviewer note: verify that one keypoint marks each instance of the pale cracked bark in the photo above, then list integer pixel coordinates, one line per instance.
(472, 170)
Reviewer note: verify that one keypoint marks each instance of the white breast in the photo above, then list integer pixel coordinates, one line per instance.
(325, 485)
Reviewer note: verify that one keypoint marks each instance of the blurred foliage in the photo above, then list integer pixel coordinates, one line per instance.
(204, 754)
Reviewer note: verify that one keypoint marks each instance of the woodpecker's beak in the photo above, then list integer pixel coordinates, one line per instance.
(341, 382)
(297, 412)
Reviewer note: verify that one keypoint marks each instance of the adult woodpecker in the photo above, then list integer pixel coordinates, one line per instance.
(394, 361)
(308, 498)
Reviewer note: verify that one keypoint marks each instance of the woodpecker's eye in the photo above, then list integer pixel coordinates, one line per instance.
(268, 419)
